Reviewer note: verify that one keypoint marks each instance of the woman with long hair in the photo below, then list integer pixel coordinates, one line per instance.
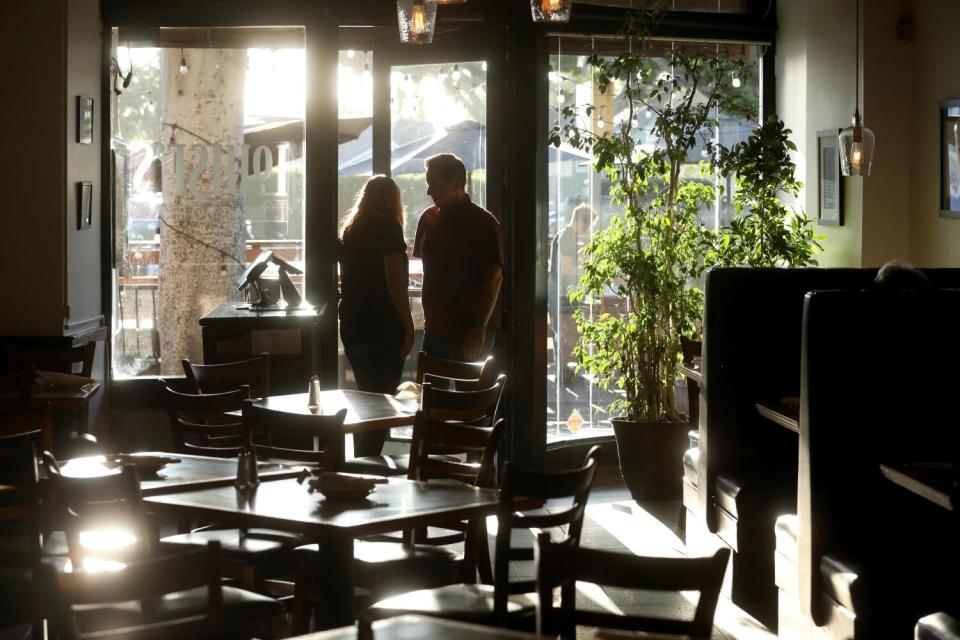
(375, 322)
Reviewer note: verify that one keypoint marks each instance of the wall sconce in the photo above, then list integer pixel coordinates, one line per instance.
(417, 19)
(551, 10)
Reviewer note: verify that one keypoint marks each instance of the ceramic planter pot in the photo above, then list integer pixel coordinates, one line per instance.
(651, 457)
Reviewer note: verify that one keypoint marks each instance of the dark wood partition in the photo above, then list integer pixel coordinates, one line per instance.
(879, 386)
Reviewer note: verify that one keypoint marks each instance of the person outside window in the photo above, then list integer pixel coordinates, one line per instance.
(566, 254)
(461, 247)
(375, 322)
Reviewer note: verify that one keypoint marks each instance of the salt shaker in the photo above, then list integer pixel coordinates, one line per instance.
(247, 474)
(313, 394)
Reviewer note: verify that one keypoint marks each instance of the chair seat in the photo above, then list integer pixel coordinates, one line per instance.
(839, 579)
(255, 542)
(466, 602)
(389, 567)
(239, 606)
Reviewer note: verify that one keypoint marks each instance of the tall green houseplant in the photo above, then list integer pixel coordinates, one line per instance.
(766, 232)
(653, 249)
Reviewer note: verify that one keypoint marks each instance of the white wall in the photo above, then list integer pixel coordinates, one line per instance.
(816, 69)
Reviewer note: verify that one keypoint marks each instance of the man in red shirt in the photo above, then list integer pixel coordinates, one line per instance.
(461, 248)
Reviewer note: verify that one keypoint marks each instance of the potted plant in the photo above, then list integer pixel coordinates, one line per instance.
(766, 232)
(652, 250)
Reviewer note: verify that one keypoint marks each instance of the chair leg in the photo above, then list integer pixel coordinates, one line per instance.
(301, 610)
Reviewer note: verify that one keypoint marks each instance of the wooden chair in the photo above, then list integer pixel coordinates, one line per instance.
(127, 599)
(230, 376)
(478, 407)
(84, 503)
(23, 417)
(465, 375)
(275, 425)
(20, 535)
(562, 565)
(255, 555)
(506, 602)
(200, 423)
(386, 565)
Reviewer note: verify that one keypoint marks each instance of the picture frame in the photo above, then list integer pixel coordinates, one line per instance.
(84, 120)
(829, 180)
(84, 205)
(950, 159)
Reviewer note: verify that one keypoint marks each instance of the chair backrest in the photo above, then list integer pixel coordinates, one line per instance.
(103, 515)
(476, 407)
(571, 484)
(481, 442)
(61, 359)
(20, 537)
(301, 427)
(229, 376)
(466, 375)
(23, 417)
(146, 581)
(199, 423)
(560, 565)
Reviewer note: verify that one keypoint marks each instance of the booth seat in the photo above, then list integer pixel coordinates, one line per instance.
(746, 466)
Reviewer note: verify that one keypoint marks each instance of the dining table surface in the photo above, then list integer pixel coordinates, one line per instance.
(288, 505)
(784, 412)
(938, 482)
(187, 473)
(366, 411)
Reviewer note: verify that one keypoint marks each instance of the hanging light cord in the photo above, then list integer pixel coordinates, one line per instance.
(856, 104)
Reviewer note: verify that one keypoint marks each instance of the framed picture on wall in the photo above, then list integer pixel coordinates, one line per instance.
(84, 120)
(950, 159)
(829, 182)
(84, 205)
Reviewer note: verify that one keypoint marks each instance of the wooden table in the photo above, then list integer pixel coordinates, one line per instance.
(782, 414)
(365, 412)
(937, 482)
(288, 506)
(192, 472)
(72, 398)
(421, 628)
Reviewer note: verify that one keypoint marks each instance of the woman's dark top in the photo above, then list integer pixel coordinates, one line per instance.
(367, 314)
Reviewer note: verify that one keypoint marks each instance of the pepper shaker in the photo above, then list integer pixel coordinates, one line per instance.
(313, 394)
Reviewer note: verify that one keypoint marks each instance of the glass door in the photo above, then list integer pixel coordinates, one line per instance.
(434, 107)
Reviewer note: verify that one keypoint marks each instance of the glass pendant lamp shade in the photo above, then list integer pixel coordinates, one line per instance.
(856, 148)
(551, 10)
(417, 19)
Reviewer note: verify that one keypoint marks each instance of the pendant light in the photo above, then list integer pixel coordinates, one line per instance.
(551, 10)
(184, 69)
(856, 141)
(417, 19)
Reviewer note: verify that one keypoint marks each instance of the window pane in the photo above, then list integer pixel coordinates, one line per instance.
(355, 150)
(208, 147)
(579, 206)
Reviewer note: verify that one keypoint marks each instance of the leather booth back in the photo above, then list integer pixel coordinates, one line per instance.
(878, 384)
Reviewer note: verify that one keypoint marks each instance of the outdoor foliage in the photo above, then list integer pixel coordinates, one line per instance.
(766, 232)
(651, 252)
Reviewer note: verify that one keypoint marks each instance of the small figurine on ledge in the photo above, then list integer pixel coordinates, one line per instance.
(265, 296)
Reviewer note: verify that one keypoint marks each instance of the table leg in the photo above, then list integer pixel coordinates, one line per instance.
(336, 583)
